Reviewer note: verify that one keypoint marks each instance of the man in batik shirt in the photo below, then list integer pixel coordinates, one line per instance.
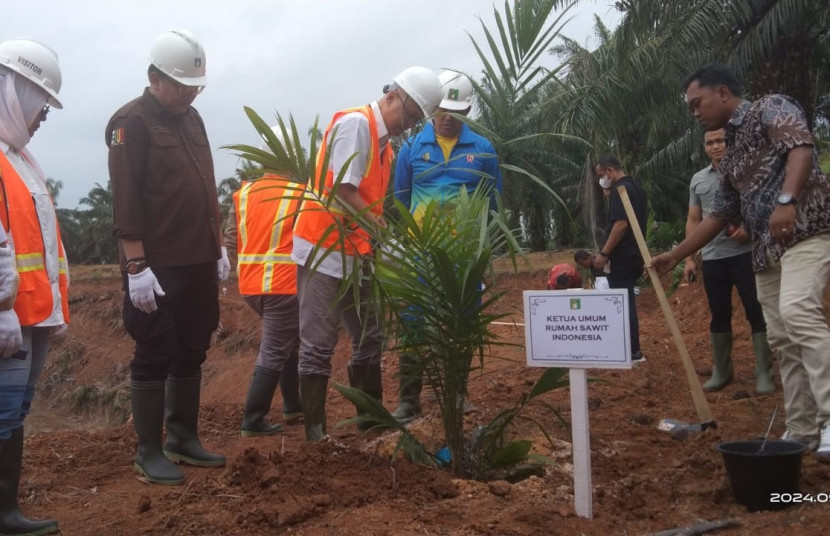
(770, 179)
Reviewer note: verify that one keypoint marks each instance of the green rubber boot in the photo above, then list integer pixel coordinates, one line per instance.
(764, 375)
(261, 391)
(181, 411)
(313, 390)
(148, 419)
(722, 372)
(409, 399)
(367, 378)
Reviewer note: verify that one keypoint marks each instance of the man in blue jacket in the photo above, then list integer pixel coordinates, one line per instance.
(433, 166)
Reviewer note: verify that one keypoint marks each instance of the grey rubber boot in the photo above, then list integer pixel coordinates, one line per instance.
(313, 390)
(12, 520)
(258, 403)
(722, 371)
(147, 399)
(764, 374)
(409, 398)
(181, 411)
(367, 378)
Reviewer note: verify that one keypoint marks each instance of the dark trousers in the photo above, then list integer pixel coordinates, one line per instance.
(624, 273)
(719, 276)
(174, 339)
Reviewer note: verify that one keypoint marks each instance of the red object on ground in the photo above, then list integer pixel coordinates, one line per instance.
(564, 276)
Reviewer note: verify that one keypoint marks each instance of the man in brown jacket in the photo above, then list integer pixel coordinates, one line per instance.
(166, 216)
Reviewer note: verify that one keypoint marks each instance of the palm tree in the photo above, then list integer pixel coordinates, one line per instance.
(96, 243)
(510, 99)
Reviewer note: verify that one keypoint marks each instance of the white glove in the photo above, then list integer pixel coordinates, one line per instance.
(223, 265)
(9, 279)
(143, 289)
(10, 336)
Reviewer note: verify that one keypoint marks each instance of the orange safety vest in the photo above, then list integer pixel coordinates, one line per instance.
(265, 213)
(19, 216)
(316, 224)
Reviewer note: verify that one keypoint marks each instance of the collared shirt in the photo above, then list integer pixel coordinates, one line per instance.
(351, 137)
(627, 246)
(422, 174)
(163, 184)
(47, 219)
(702, 191)
(758, 138)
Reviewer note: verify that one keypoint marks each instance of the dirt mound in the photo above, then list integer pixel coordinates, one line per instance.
(79, 454)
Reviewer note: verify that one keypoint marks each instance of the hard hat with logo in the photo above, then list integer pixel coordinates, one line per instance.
(179, 55)
(457, 91)
(422, 86)
(36, 62)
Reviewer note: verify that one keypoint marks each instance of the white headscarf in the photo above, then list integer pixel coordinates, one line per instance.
(21, 102)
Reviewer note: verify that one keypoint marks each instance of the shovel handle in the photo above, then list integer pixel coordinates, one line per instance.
(704, 413)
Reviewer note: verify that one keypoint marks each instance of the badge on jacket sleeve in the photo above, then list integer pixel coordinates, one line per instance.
(117, 136)
(425, 157)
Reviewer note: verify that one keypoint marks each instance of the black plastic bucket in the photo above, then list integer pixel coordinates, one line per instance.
(763, 480)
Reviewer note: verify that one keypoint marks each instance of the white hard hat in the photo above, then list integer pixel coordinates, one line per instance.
(457, 91)
(278, 133)
(605, 183)
(179, 55)
(422, 86)
(36, 62)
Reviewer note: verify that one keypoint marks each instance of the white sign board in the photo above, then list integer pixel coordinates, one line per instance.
(577, 328)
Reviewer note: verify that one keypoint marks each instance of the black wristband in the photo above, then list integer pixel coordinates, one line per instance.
(135, 259)
(603, 254)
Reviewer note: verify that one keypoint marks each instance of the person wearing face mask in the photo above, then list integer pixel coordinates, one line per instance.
(434, 165)
(357, 144)
(621, 247)
(166, 217)
(33, 269)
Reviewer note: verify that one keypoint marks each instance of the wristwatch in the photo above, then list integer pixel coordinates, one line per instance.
(135, 266)
(786, 199)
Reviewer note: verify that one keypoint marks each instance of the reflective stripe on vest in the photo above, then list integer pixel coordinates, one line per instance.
(317, 225)
(34, 302)
(265, 213)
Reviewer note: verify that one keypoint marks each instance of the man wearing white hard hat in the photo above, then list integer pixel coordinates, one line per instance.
(166, 217)
(259, 237)
(33, 269)
(435, 165)
(357, 143)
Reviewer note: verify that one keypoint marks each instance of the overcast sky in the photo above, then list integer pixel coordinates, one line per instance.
(306, 57)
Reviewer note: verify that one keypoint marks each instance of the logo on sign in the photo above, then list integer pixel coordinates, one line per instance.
(576, 304)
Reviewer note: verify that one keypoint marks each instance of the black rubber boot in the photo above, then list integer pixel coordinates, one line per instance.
(367, 378)
(181, 411)
(148, 419)
(313, 389)
(12, 520)
(292, 408)
(409, 399)
(258, 403)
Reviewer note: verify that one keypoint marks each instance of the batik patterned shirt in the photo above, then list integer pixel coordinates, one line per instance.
(758, 138)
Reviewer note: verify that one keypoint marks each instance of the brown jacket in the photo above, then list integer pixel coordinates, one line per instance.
(163, 185)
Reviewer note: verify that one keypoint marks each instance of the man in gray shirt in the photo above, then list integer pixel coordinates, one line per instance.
(727, 262)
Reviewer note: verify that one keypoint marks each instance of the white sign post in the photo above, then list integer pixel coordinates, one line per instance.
(578, 329)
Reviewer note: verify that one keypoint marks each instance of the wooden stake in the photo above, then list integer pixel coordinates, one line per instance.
(704, 413)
